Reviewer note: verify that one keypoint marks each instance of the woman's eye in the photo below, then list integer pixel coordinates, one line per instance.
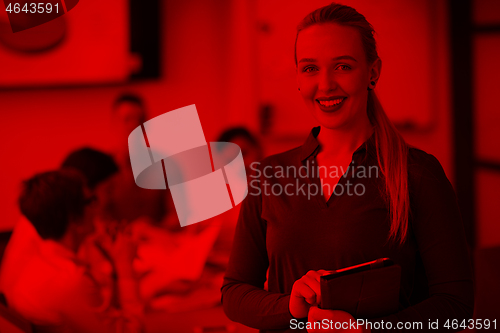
(344, 67)
(308, 69)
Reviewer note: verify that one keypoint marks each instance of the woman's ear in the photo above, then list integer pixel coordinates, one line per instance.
(375, 69)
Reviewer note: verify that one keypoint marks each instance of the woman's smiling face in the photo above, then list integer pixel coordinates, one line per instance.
(333, 74)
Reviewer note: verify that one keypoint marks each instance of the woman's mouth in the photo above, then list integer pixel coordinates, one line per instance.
(330, 104)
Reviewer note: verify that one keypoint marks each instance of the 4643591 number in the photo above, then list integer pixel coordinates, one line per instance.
(32, 8)
(477, 324)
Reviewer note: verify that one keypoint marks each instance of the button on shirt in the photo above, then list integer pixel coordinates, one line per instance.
(287, 228)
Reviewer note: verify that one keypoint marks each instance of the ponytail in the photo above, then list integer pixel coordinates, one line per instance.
(392, 157)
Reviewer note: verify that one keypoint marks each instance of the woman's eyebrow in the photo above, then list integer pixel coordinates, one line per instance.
(348, 57)
(307, 60)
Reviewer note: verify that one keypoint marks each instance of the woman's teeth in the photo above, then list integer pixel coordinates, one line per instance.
(332, 102)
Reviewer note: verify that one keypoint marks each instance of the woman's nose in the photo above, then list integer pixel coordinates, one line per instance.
(327, 82)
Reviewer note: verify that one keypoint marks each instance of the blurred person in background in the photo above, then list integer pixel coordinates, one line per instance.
(131, 201)
(250, 146)
(181, 268)
(252, 153)
(170, 263)
(98, 170)
(170, 258)
(54, 289)
(162, 243)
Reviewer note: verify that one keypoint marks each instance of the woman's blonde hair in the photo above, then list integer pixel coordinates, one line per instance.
(392, 150)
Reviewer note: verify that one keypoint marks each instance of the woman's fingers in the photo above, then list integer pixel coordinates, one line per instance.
(308, 287)
(303, 296)
(306, 291)
(312, 282)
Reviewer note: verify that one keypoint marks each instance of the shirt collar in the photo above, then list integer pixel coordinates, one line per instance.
(311, 145)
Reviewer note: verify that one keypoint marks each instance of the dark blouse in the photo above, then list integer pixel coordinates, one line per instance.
(287, 234)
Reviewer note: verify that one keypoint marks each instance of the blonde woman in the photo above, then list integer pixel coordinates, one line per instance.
(404, 209)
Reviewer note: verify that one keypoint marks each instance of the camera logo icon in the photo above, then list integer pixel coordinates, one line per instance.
(205, 179)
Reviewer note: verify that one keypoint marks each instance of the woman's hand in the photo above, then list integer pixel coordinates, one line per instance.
(305, 293)
(328, 320)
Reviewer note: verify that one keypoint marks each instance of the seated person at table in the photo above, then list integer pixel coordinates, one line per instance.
(53, 288)
(170, 258)
(182, 267)
(99, 170)
(132, 202)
